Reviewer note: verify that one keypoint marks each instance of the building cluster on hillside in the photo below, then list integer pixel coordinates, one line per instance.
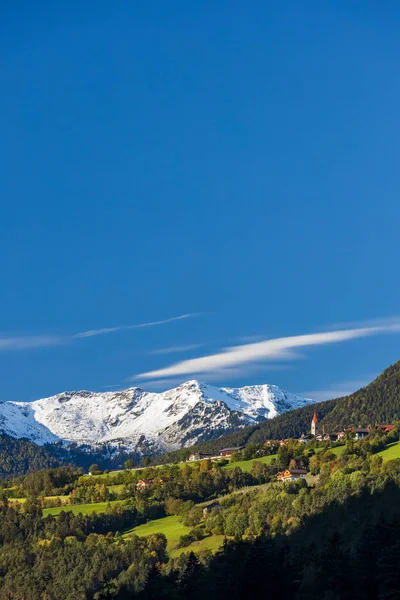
(297, 471)
(358, 433)
(224, 452)
(143, 484)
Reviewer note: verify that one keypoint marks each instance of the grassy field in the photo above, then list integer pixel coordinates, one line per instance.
(111, 475)
(116, 488)
(22, 500)
(85, 509)
(339, 450)
(391, 451)
(213, 543)
(247, 465)
(173, 529)
(169, 526)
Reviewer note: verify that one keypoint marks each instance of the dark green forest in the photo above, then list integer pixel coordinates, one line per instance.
(20, 456)
(17, 457)
(334, 537)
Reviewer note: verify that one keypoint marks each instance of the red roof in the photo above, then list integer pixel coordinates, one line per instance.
(315, 417)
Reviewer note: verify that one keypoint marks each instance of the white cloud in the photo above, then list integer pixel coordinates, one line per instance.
(26, 342)
(93, 332)
(267, 350)
(40, 341)
(175, 349)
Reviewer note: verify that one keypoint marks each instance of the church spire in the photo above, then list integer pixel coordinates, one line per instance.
(314, 424)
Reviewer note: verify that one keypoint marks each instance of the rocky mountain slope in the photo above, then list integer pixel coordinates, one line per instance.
(143, 421)
(378, 402)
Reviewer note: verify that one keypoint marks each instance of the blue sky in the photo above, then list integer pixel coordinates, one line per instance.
(231, 163)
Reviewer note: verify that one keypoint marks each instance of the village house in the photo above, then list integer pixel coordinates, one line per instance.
(330, 437)
(199, 456)
(230, 451)
(360, 433)
(207, 509)
(144, 483)
(304, 439)
(272, 443)
(291, 475)
(164, 480)
(385, 428)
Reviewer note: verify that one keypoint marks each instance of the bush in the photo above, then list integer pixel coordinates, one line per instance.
(197, 533)
(184, 541)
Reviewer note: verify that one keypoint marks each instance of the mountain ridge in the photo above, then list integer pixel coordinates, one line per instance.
(142, 421)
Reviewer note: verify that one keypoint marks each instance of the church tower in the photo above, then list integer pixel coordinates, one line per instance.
(314, 424)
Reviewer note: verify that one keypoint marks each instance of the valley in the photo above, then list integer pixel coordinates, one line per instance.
(199, 512)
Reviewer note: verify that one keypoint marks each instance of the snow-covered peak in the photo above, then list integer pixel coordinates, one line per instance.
(192, 412)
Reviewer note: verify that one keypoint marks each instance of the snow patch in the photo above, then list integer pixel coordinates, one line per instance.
(134, 418)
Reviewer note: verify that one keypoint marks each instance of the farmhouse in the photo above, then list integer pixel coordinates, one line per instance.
(272, 443)
(385, 428)
(330, 437)
(230, 451)
(164, 480)
(144, 483)
(199, 456)
(207, 509)
(291, 475)
(304, 439)
(360, 433)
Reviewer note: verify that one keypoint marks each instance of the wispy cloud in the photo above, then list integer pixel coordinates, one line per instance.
(26, 342)
(267, 350)
(20, 342)
(176, 349)
(102, 331)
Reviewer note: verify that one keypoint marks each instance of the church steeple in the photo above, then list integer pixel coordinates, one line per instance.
(314, 424)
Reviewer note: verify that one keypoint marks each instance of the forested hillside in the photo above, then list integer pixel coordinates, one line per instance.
(231, 534)
(378, 402)
(18, 457)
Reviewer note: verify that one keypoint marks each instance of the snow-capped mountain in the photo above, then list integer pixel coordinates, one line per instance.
(144, 421)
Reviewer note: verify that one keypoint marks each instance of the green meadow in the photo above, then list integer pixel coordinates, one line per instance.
(391, 451)
(212, 542)
(173, 530)
(85, 509)
(338, 450)
(247, 465)
(169, 526)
